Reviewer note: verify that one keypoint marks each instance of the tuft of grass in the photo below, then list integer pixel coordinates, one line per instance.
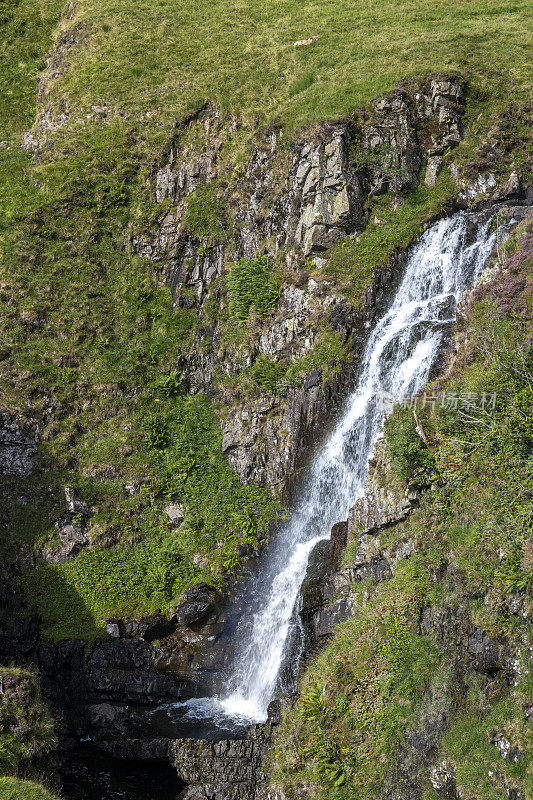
(206, 214)
(26, 727)
(17, 789)
(254, 287)
(27, 34)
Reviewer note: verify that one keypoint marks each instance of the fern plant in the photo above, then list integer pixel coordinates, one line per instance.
(311, 703)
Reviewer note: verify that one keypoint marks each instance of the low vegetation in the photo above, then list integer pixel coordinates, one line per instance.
(26, 728)
(206, 215)
(16, 789)
(254, 287)
(243, 58)
(154, 563)
(90, 345)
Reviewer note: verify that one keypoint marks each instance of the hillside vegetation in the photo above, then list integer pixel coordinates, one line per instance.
(167, 57)
(26, 732)
(88, 336)
(92, 97)
(16, 789)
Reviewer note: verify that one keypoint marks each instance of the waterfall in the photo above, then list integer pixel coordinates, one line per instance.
(397, 360)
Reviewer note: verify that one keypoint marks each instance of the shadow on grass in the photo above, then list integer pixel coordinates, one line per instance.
(62, 611)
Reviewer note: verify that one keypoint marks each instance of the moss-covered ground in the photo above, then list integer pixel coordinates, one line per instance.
(26, 727)
(17, 789)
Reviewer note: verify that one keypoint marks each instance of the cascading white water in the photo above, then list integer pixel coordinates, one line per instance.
(397, 359)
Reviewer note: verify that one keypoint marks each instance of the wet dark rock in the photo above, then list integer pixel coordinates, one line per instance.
(107, 716)
(199, 602)
(18, 445)
(141, 749)
(338, 541)
(231, 769)
(311, 589)
(454, 630)
(313, 379)
(155, 626)
(274, 711)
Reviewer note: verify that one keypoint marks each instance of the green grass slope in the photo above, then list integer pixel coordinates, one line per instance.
(167, 57)
(16, 789)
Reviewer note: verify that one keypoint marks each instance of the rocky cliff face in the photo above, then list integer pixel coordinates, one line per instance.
(293, 203)
(328, 593)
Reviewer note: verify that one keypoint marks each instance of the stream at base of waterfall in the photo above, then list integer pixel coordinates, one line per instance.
(400, 351)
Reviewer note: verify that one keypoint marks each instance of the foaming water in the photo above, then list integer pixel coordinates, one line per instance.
(397, 360)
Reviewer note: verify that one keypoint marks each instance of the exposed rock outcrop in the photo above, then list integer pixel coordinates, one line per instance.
(224, 770)
(293, 206)
(327, 593)
(145, 662)
(18, 445)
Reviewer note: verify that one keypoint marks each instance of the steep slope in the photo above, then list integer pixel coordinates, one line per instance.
(200, 219)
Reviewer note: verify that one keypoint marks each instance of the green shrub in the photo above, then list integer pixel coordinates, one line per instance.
(206, 214)
(327, 354)
(267, 373)
(169, 385)
(408, 451)
(156, 432)
(26, 727)
(253, 287)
